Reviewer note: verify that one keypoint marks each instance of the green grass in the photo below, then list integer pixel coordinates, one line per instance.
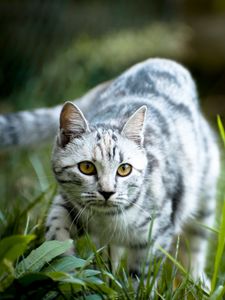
(30, 267)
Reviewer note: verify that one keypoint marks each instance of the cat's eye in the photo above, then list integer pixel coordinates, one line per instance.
(124, 170)
(87, 168)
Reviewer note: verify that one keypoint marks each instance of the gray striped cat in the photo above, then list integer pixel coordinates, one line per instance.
(136, 154)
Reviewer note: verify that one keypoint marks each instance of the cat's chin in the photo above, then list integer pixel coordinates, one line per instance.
(104, 207)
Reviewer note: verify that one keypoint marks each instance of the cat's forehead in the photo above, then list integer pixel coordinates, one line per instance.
(110, 148)
(106, 146)
(106, 135)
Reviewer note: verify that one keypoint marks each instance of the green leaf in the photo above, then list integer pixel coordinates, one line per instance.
(65, 264)
(93, 280)
(67, 288)
(77, 281)
(11, 248)
(89, 273)
(64, 277)
(43, 254)
(58, 276)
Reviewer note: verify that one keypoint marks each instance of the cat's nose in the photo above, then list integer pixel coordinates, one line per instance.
(106, 195)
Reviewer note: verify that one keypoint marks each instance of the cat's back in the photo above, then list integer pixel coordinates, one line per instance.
(161, 84)
(153, 79)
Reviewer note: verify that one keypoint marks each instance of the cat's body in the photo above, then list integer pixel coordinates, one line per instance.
(147, 122)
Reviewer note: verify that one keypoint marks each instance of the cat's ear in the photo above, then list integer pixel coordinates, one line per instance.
(72, 123)
(134, 127)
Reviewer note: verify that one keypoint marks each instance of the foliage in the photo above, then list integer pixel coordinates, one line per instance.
(43, 274)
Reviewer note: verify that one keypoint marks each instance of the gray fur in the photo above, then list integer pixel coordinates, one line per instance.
(182, 164)
(174, 156)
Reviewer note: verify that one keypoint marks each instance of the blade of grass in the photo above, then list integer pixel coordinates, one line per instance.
(219, 251)
(221, 235)
(221, 129)
(38, 167)
(213, 230)
(41, 197)
(218, 293)
(174, 261)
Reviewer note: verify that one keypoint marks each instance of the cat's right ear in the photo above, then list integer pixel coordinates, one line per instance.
(72, 123)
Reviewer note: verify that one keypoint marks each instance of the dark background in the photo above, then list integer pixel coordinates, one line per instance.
(51, 51)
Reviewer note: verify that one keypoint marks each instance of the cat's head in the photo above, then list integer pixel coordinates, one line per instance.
(100, 167)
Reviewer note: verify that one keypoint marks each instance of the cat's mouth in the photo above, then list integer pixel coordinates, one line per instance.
(102, 203)
(104, 206)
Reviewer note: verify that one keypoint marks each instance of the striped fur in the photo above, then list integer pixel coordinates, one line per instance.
(174, 170)
(148, 117)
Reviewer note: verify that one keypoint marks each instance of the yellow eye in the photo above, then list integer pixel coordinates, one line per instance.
(87, 168)
(124, 170)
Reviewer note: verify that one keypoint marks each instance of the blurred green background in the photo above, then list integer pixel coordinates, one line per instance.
(52, 51)
(55, 50)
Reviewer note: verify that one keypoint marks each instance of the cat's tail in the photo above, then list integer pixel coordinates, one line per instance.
(28, 128)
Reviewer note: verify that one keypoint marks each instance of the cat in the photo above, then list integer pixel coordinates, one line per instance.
(134, 153)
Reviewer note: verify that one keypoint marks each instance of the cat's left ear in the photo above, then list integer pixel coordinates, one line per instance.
(134, 127)
(72, 123)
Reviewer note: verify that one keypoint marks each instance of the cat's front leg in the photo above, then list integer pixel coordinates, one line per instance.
(145, 258)
(60, 225)
(136, 258)
(142, 263)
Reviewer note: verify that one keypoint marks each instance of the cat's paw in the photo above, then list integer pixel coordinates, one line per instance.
(202, 278)
(205, 282)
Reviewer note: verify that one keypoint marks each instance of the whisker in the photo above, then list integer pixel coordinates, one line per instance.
(76, 219)
(125, 224)
(137, 205)
(115, 227)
